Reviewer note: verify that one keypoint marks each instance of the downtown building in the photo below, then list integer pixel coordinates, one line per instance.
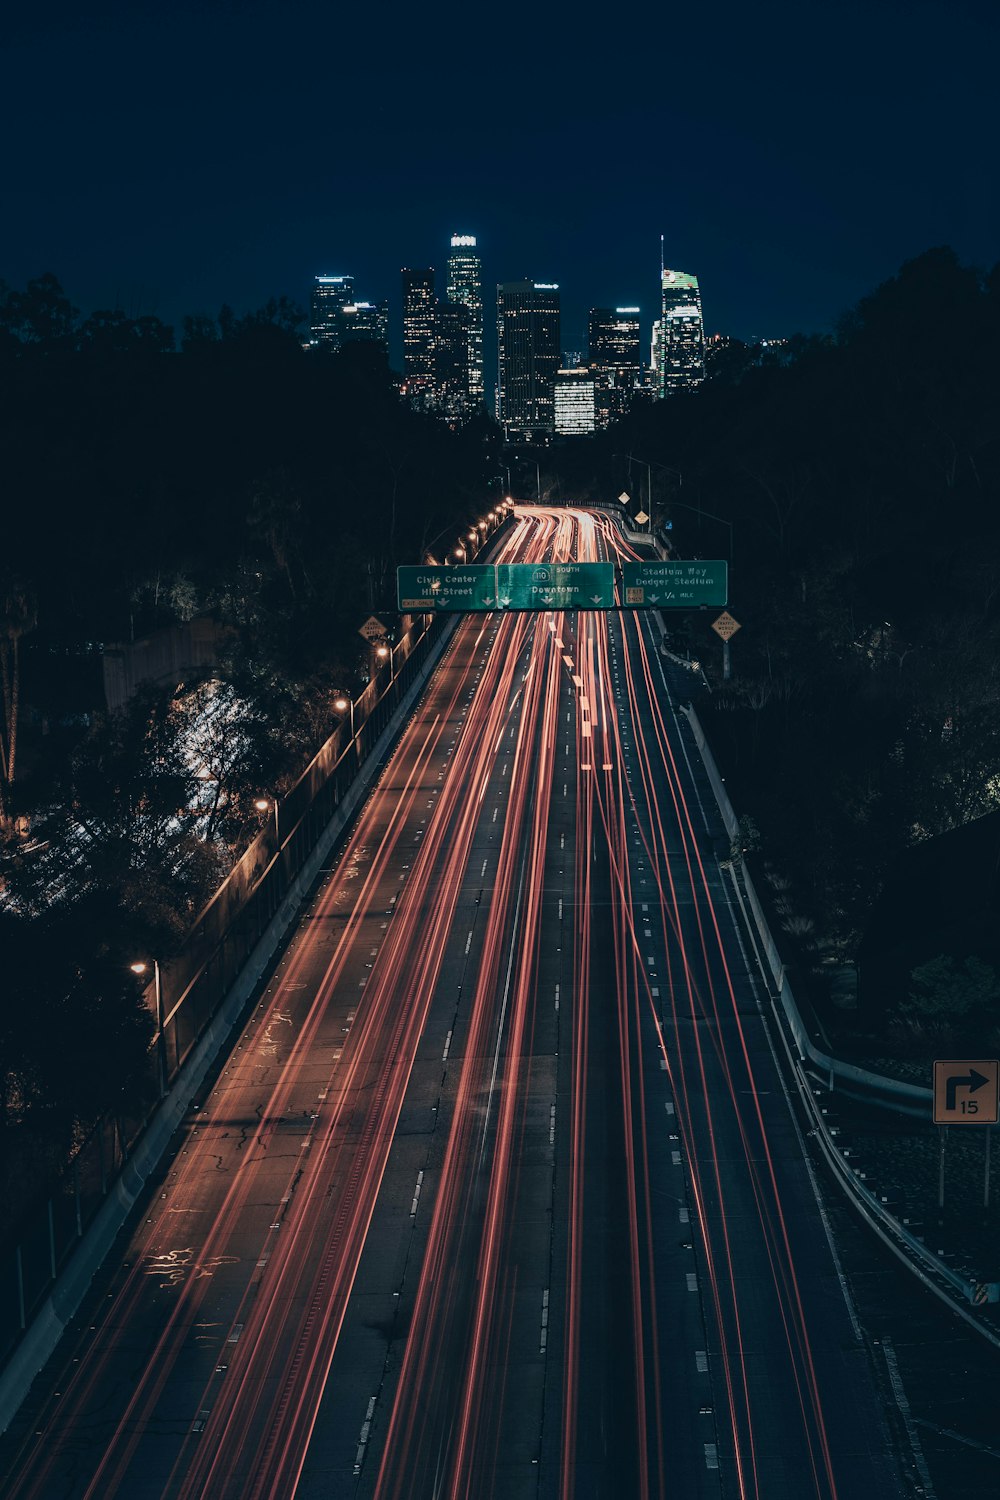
(528, 347)
(679, 339)
(615, 360)
(573, 402)
(338, 319)
(330, 294)
(436, 341)
(465, 289)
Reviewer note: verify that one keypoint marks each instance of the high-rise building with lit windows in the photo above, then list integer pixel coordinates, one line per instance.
(329, 296)
(681, 343)
(365, 322)
(465, 286)
(528, 346)
(451, 361)
(419, 303)
(573, 402)
(615, 360)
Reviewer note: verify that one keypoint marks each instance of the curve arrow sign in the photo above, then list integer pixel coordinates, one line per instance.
(971, 1081)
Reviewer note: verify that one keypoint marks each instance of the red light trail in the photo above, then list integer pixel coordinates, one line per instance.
(208, 1373)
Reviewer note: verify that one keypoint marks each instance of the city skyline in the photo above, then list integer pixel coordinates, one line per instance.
(450, 367)
(805, 173)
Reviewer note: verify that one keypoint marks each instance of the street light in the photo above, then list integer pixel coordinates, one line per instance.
(682, 505)
(265, 804)
(141, 967)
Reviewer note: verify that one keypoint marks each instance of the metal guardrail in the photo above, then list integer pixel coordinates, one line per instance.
(907, 1098)
(194, 985)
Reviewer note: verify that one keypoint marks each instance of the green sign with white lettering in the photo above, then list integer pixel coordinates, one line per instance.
(675, 585)
(587, 585)
(437, 590)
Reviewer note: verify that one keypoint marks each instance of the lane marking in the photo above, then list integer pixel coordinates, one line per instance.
(416, 1194)
(447, 1047)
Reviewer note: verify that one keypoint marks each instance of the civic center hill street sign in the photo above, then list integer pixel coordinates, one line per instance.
(674, 585)
(435, 589)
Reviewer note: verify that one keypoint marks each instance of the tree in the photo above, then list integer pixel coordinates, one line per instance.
(946, 990)
(41, 316)
(123, 836)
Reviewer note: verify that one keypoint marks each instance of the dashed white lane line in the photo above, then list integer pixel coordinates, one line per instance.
(544, 1338)
(416, 1194)
(468, 942)
(366, 1428)
(447, 1047)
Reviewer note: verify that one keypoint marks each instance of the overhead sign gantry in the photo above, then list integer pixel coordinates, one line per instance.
(473, 588)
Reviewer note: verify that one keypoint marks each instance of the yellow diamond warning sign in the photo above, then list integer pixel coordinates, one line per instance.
(725, 625)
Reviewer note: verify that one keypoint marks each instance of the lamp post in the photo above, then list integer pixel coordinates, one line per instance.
(709, 517)
(265, 804)
(141, 967)
(344, 704)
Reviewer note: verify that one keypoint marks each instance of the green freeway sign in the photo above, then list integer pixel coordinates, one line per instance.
(587, 585)
(423, 590)
(675, 585)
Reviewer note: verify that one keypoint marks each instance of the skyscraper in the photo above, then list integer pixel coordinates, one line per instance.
(615, 361)
(451, 361)
(573, 394)
(330, 295)
(681, 348)
(528, 349)
(366, 322)
(465, 285)
(418, 335)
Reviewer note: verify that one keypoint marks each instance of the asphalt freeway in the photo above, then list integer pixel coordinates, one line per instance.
(500, 1192)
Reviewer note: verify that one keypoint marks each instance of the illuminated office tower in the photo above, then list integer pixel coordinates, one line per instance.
(450, 396)
(419, 304)
(365, 322)
(465, 285)
(330, 295)
(573, 402)
(681, 344)
(528, 349)
(615, 361)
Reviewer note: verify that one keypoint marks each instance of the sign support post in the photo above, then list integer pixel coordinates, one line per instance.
(986, 1177)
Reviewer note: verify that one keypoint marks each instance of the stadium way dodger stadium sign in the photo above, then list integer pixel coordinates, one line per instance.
(674, 585)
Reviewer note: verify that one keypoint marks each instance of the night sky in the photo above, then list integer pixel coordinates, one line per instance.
(169, 159)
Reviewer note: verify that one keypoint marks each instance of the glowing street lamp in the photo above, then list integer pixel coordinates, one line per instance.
(265, 804)
(141, 967)
(344, 704)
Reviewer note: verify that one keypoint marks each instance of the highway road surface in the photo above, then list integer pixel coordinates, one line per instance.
(500, 1193)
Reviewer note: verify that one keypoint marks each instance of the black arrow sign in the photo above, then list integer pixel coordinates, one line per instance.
(971, 1081)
